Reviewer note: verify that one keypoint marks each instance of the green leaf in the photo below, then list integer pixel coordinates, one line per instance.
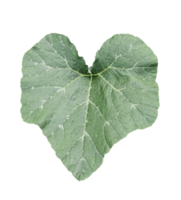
(83, 115)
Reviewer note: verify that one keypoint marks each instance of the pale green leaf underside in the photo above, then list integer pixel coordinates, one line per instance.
(83, 115)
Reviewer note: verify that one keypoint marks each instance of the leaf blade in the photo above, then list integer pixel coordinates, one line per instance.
(83, 115)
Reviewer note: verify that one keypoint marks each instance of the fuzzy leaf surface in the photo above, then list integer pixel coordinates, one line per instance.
(83, 115)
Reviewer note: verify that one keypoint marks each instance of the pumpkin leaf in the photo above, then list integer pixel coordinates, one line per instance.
(84, 114)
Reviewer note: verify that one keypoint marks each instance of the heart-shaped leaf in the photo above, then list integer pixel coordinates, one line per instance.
(84, 114)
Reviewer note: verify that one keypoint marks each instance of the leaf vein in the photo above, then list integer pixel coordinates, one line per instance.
(104, 117)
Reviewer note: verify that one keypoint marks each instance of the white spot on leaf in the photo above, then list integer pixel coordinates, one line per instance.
(107, 123)
(48, 68)
(133, 106)
(130, 47)
(60, 126)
